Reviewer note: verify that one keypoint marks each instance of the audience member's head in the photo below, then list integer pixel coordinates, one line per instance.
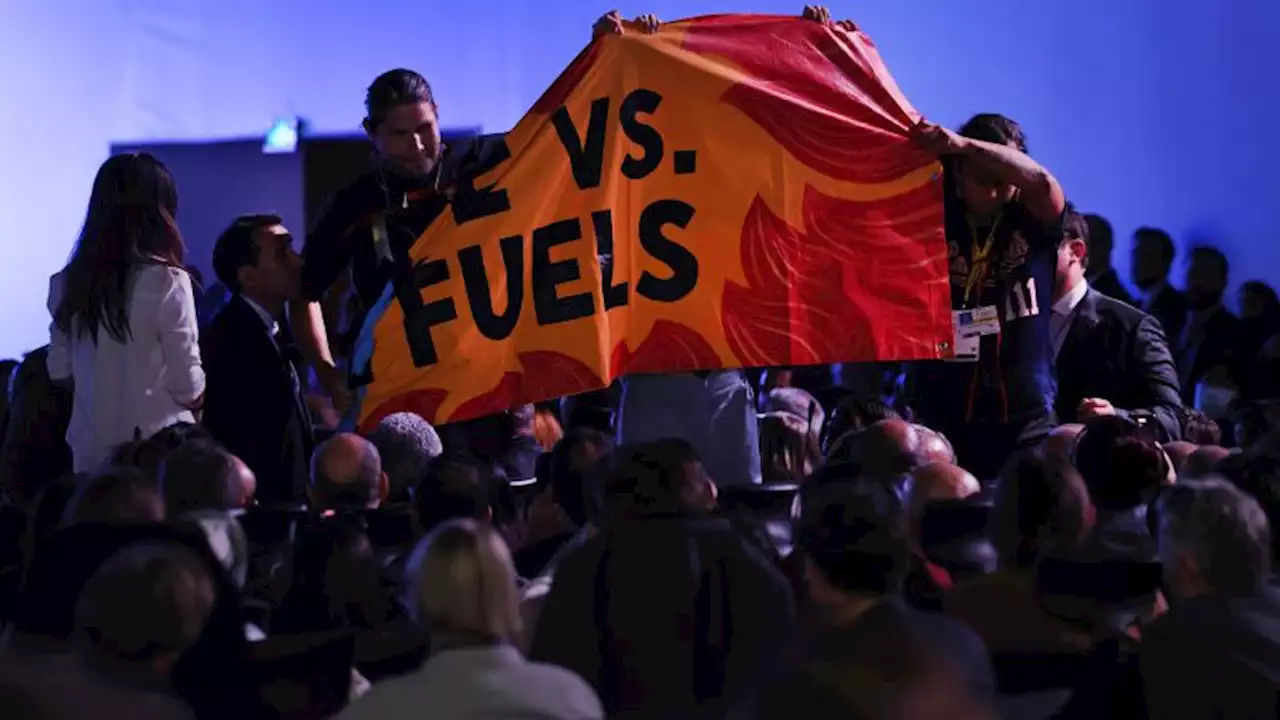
(178, 434)
(1257, 301)
(1061, 442)
(934, 446)
(406, 444)
(1257, 418)
(854, 414)
(1042, 508)
(255, 257)
(1179, 451)
(788, 453)
(855, 544)
(148, 454)
(335, 581)
(1073, 253)
(116, 496)
(462, 586)
(1258, 474)
(203, 476)
(574, 482)
(659, 477)
(491, 437)
(453, 488)
(889, 448)
(520, 420)
(346, 474)
(1101, 239)
(937, 481)
(1204, 461)
(1198, 428)
(1213, 539)
(146, 605)
(801, 404)
(1122, 468)
(1207, 274)
(1153, 254)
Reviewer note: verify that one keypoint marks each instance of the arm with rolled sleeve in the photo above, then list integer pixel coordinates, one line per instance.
(179, 334)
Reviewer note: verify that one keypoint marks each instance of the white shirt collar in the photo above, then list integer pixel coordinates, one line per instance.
(269, 322)
(1071, 299)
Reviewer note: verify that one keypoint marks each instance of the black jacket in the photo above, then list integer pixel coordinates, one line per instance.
(667, 617)
(1118, 353)
(252, 404)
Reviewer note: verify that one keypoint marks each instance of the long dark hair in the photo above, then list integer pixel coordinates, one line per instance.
(130, 222)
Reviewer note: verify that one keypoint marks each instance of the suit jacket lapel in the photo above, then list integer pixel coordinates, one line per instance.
(1084, 321)
(1078, 356)
(278, 351)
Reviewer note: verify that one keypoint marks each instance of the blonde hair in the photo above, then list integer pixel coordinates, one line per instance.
(462, 583)
(788, 453)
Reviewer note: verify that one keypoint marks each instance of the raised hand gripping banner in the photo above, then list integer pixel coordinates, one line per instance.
(731, 191)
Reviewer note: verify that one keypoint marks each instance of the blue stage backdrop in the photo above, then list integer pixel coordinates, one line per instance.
(1150, 111)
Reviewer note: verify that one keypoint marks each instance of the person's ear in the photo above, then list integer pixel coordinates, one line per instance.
(488, 514)
(368, 128)
(244, 275)
(384, 486)
(713, 492)
(1079, 250)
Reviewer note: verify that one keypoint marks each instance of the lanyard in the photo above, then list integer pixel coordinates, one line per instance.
(979, 263)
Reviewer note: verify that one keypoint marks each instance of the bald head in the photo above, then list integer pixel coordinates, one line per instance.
(883, 449)
(941, 481)
(346, 473)
(1062, 441)
(934, 446)
(1179, 452)
(1204, 461)
(201, 475)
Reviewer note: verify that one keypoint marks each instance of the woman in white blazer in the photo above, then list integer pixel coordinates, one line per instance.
(124, 330)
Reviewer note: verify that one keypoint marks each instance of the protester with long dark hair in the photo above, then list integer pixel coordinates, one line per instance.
(124, 329)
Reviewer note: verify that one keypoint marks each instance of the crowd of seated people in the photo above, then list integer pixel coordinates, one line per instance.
(1106, 572)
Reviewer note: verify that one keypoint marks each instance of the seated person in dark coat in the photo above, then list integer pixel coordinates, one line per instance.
(1216, 653)
(869, 654)
(666, 611)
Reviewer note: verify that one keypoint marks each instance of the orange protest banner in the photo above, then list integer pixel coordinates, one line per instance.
(752, 181)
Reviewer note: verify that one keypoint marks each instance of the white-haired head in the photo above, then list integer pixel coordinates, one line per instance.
(407, 444)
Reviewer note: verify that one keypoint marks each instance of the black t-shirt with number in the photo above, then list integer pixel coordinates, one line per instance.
(1012, 385)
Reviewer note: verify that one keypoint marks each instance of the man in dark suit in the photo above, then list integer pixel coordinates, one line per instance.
(1111, 358)
(1102, 277)
(1207, 349)
(1153, 253)
(254, 403)
(1216, 652)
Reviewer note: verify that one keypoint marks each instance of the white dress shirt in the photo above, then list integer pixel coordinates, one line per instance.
(138, 386)
(272, 325)
(1064, 309)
